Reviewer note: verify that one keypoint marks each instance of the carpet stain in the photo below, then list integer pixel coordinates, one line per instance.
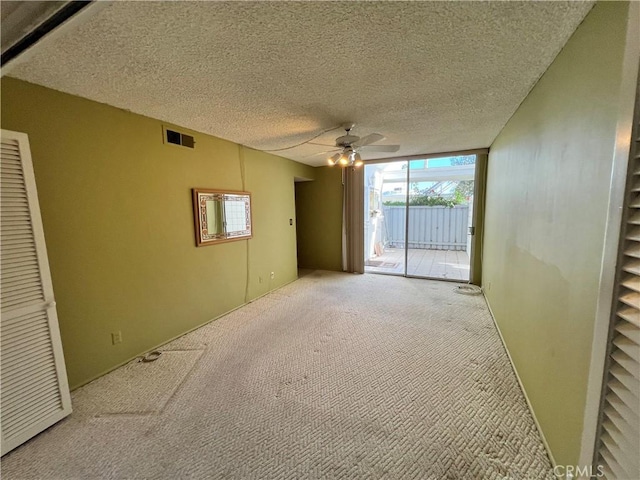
(334, 376)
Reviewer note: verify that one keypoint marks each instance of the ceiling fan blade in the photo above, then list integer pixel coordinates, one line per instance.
(369, 139)
(320, 153)
(383, 148)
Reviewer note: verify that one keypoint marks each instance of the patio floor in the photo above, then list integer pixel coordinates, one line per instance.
(445, 264)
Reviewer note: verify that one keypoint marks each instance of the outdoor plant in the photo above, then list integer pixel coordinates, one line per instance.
(424, 200)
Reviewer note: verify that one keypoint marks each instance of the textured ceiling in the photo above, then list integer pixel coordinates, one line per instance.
(20, 18)
(430, 76)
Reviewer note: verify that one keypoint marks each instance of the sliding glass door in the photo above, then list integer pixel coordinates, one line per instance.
(439, 217)
(385, 190)
(418, 216)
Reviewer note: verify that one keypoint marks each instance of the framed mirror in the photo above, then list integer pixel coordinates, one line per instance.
(221, 216)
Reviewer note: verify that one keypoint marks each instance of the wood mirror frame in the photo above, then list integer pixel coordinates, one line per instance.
(221, 216)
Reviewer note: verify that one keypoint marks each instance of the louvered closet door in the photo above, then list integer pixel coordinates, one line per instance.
(619, 434)
(35, 393)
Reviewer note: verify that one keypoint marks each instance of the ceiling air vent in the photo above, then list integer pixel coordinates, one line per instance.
(177, 138)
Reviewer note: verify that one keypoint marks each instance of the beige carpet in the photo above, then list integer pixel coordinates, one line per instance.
(334, 376)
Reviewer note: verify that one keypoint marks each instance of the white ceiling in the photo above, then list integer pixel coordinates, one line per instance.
(430, 76)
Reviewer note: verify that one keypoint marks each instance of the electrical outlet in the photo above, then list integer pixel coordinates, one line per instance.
(488, 286)
(116, 337)
(273, 275)
(259, 279)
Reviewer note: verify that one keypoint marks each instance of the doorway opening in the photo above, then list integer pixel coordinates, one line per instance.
(303, 218)
(419, 217)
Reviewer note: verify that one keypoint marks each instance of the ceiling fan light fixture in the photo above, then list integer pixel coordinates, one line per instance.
(348, 158)
(333, 159)
(350, 144)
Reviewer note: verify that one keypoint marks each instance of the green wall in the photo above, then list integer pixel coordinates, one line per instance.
(118, 220)
(547, 199)
(319, 207)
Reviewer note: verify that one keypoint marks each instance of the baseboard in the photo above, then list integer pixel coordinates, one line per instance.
(164, 342)
(524, 392)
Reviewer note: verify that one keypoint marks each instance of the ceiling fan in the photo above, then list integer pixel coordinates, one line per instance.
(350, 146)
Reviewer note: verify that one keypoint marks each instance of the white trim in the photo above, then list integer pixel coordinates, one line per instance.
(624, 126)
(524, 392)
